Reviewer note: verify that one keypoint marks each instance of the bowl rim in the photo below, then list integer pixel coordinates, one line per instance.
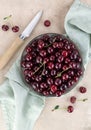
(51, 34)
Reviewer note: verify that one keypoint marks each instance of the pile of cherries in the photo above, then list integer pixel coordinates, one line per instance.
(51, 64)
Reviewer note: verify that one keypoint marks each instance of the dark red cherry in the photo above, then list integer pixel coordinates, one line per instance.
(39, 59)
(15, 29)
(45, 72)
(29, 65)
(50, 50)
(67, 60)
(70, 109)
(47, 23)
(30, 73)
(50, 81)
(53, 72)
(58, 66)
(28, 49)
(65, 53)
(82, 89)
(58, 93)
(76, 78)
(43, 85)
(65, 67)
(73, 99)
(57, 54)
(53, 88)
(63, 87)
(79, 72)
(5, 27)
(70, 83)
(28, 57)
(55, 45)
(65, 77)
(46, 60)
(35, 85)
(38, 78)
(58, 81)
(71, 73)
(43, 53)
(60, 59)
(40, 44)
(50, 65)
(45, 93)
(52, 58)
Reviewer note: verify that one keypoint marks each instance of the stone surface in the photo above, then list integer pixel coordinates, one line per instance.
(22, 12)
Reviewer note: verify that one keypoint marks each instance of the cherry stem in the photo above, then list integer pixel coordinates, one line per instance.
(60, 73)
(39, 67)
(64, 108)
(83, 100)
(49, 45)
(58, 107)
(43, 69)
(6, 18)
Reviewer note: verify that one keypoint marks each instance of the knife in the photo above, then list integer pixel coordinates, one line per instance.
(4, 59)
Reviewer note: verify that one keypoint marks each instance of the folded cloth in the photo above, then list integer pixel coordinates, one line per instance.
(22, 107)
(78, 28)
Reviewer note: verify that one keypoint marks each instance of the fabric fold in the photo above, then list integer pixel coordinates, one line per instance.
(27, 105)
(78, 28)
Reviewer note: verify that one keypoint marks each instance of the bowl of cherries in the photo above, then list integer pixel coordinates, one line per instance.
(51, 65)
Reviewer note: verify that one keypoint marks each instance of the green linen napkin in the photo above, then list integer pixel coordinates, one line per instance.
(22, 107)
(78, 28)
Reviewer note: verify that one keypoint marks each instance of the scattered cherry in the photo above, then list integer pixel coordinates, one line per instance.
(5, 27)
(47, 23)
(70, 109)
(72, 99)
(15, 29)
(82, 89)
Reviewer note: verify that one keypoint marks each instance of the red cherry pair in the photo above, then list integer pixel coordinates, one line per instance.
(6, 28)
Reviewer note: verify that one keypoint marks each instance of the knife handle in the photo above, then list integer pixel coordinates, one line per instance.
(4, 59)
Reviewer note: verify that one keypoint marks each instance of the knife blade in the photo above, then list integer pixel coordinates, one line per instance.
(5, 58)
(28, 30)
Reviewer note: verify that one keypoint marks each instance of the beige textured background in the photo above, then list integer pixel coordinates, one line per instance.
(22, 12)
